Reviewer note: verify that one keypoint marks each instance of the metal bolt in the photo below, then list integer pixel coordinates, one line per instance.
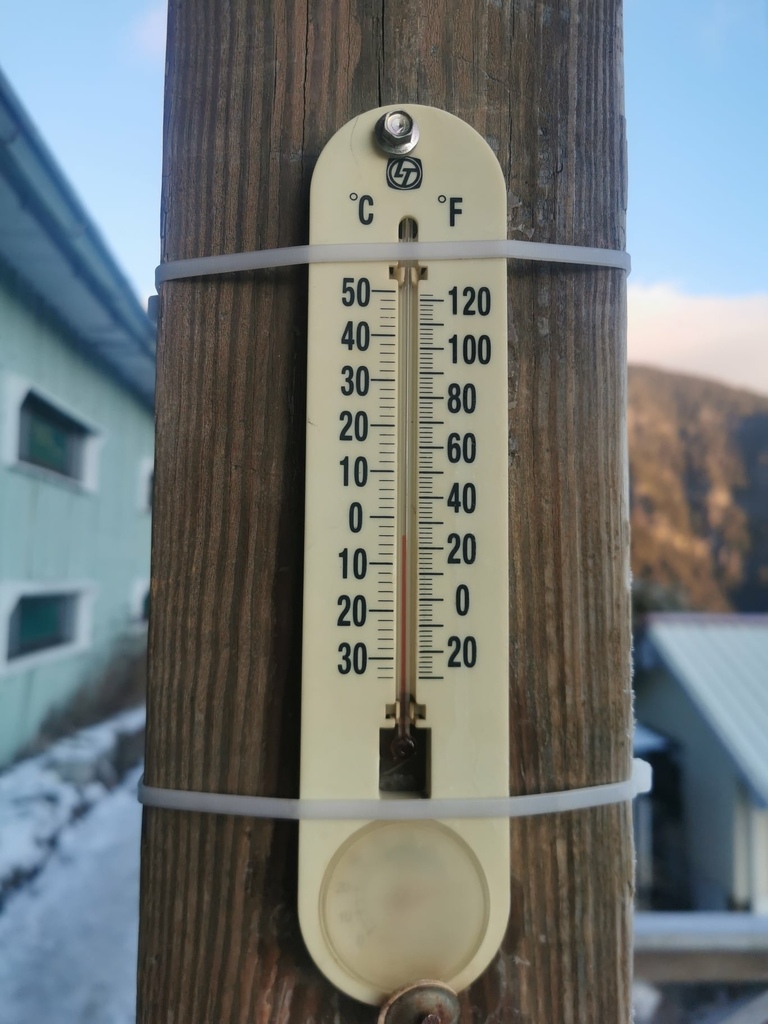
(423, 1002)
(398, 124)
(396, 132)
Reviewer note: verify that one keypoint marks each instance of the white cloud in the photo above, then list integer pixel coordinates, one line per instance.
(722, 337)
(148, 30)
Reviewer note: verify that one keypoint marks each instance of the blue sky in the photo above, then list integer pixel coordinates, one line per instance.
(697, 114)
(90, 75)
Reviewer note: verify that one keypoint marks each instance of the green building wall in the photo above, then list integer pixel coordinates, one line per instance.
(54, 530)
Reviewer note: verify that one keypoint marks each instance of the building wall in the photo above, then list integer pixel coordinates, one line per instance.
(710, 787)
(759, 860)
(54, 530)
(742, 842)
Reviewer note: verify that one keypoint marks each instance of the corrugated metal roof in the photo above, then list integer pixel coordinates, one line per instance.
(52, 247)
(722, 662)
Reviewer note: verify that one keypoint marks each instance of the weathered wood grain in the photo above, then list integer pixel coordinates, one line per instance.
(254, 91)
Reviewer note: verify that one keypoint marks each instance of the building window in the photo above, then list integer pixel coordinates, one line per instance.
(41, 621)
(41, 435)
(50, 439)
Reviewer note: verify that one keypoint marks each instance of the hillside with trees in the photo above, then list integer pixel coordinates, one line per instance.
(698, 454)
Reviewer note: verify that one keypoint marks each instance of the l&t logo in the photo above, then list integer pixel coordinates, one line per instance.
(404, 173)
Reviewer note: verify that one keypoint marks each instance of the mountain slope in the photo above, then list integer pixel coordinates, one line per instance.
(698, 454)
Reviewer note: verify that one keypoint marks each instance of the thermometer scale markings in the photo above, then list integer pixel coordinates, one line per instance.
(427, 545)
(385, 339)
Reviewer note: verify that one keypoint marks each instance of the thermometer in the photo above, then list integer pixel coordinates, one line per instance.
(405, 643)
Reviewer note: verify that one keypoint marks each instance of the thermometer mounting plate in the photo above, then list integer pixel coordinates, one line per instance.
(405, 642)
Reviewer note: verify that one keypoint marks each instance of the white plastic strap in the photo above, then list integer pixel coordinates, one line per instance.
(400, 810)
(352, 252)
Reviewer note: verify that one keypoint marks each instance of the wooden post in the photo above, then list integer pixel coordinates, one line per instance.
(255, 88)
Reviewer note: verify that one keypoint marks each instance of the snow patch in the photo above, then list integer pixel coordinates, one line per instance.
(68, 939)
(39, 797)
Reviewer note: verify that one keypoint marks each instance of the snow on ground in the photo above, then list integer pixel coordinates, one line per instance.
(69, 879)
(39, 797)
(68, 939)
